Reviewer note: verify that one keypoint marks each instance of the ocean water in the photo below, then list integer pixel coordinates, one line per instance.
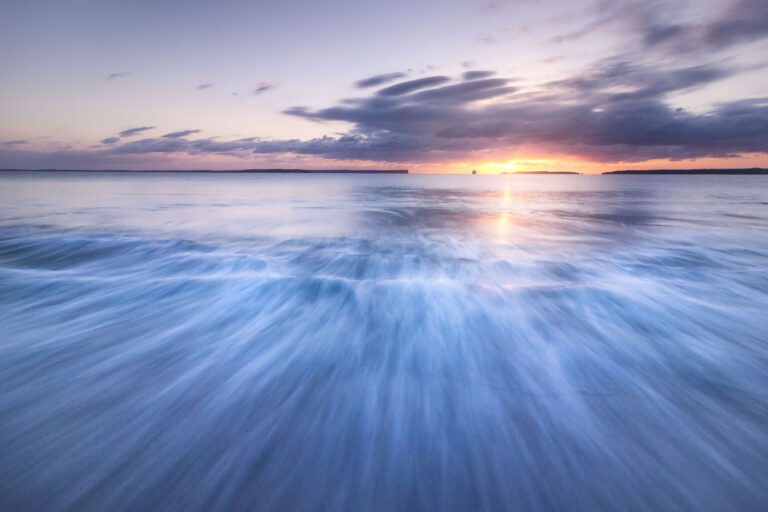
(383, 343)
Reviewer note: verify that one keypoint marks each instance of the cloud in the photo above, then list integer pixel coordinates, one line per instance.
(180, 134)
(632, 131)
(466, 92)
(202, 87)
(413, 85)
(134, 131)
(376, 80)
(620, 109)
(657, 34)
(740, 22)
(99, 159)
(14, 142)
(153, 145)
(263, 87)
(638, 81)
(475, 75)
(181, 145)
(616, 111)
(119, 74)
(744, 21)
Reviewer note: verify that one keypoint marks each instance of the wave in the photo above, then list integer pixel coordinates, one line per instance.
(411, 367)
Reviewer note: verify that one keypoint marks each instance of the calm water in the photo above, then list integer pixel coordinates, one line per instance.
(383, 343)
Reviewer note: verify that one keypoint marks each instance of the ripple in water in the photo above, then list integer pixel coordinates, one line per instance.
(383, 343)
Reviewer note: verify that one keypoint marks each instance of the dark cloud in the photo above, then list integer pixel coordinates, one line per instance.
(181, 145)
(110, 140)
(617, 111)
(657, 34)
(95, 159)
(130, 132)
(180, 134)
(742, 21)
(475, 75)
(466, 92)
(214, 146)
(202, 87)
(120, 74)
(150, 146)
(263, 87)
(377, 80)
(384, 147)
(413, 85)
(626, 131)
(14, 142)
(640, 82)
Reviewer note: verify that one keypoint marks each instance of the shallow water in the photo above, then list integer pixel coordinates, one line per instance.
(296, 343)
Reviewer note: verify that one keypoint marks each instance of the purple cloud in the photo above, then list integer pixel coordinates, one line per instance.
(180, 134)
(430, 120)
(476, 75)
(263, 87)
(376, 80)
(413, 85)
(582, 115)
(130, 132)
(114, 76)
(742, 21)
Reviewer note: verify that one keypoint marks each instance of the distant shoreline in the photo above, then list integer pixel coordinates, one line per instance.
(240, 171)
(753, 171)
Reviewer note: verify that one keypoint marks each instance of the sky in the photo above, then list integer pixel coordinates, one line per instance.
(430, 85)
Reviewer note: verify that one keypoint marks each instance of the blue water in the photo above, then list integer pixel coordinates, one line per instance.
(383, 343)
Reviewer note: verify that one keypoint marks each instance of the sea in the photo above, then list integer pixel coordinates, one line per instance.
(249, 342)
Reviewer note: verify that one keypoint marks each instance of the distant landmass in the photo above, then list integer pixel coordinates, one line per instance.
(540, 172)
(754, 170)
(238, 171)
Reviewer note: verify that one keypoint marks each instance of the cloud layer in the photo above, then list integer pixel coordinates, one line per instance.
(623, 108)
(617, 111)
